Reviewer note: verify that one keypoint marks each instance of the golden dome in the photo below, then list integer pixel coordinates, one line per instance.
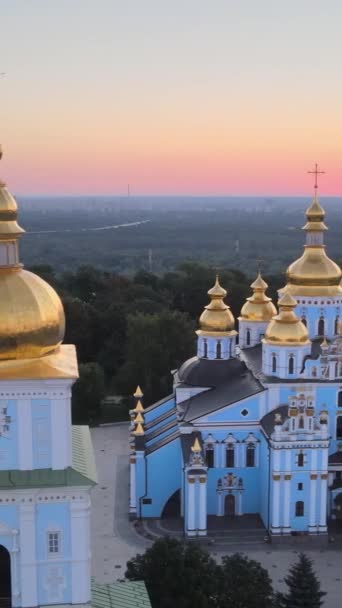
(314, 273)
(258, 307)
(217, 316)
(286, 328)
(31, 315)
(32, 319)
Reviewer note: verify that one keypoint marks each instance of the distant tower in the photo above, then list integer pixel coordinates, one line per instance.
(150, 260)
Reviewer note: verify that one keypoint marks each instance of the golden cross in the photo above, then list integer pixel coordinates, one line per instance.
(259, 261)
(316, 172)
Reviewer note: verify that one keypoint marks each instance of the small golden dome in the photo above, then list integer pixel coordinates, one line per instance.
(217, 316)
(286, 328)
(32, 322)
(314, 273)
(258, 307)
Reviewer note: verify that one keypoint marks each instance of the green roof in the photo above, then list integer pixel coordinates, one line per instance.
(130, 594)
(82, 472)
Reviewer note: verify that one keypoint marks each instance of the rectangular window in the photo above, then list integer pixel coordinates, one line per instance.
(250, 456)
(230, 458)
(300, 460)
(300, 486)
(54, 543)
(338, 475)
(209, 456)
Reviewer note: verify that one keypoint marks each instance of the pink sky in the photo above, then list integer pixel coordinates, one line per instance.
(171, 98)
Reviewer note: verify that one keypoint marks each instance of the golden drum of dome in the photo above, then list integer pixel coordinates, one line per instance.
(32, 322)
(286, 328)
(314, 273)
(217, 316)
(258, 307)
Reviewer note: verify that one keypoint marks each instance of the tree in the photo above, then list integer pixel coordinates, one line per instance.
(304, 588)
(156, 344)
(88, 393)
(176, 574)
(244, 583)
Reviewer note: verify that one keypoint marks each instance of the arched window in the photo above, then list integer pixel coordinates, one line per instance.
(291, 364)
(209, 456)
(300, 459)
(321, 326)
(339, 427)
(205, 348)
(274, 363)
(339, 399)
(250, 455)
(301, 422)
(337, 321)
(230, 456)
(218, 350)
(248, 337)
(304, 321)
(299, 508)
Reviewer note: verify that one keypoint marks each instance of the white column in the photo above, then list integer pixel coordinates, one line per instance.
(28, 556)
(276, 503)
(287, 495)
(202, 520)
(60, 434)
(80, 551)
(190, 528)
(24, 422)
(323, 503)
(312, 505)
(239, 503)
(276, 492)
(220, 502)
(15, 574)
(218, 454)
(132, 492)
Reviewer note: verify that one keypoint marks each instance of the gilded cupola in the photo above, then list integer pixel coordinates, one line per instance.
(217, 316)
(314, 273)
(31, 313)
(286, 328)
(258, 307)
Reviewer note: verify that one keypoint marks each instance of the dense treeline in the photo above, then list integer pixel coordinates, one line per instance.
(131, 331)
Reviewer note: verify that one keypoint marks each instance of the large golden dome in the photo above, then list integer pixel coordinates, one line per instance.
(314, 273)
(32, 319)
(286, 328)
(31, 315)
(217, 316)
(258, 307)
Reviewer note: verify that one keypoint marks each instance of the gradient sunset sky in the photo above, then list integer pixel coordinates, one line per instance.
(203, 97)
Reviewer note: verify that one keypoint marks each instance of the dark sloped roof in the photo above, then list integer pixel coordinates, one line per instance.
(335, 458)
(267, 422)
(229, 381)
(132, 594)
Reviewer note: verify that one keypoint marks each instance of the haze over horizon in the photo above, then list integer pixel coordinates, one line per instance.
(189, 98)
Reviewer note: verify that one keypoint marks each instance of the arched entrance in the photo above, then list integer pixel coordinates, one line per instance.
(5, 578)
(173, 506)
(229, 505)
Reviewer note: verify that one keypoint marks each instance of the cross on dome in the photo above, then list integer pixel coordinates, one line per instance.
(316, 172)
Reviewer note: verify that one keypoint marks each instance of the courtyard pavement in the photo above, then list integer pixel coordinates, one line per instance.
(115, 540)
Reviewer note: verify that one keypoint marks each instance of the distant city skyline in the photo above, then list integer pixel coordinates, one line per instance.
(184, 97)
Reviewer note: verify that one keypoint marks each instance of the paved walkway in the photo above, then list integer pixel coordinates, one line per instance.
(114, 539)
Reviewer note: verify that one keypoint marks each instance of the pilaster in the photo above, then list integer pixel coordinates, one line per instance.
(80, 551)
(28, 568)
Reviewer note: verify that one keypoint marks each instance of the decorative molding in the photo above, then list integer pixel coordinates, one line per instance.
(324, 476)
(287, 477)
(276, 477)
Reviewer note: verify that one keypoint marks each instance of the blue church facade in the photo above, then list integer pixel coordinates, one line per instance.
(253, 428)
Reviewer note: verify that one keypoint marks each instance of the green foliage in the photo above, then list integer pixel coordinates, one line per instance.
(244, 583)
(156, 344)
(176, 574)
(87, 394)
(304, 589)
(184, 575)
